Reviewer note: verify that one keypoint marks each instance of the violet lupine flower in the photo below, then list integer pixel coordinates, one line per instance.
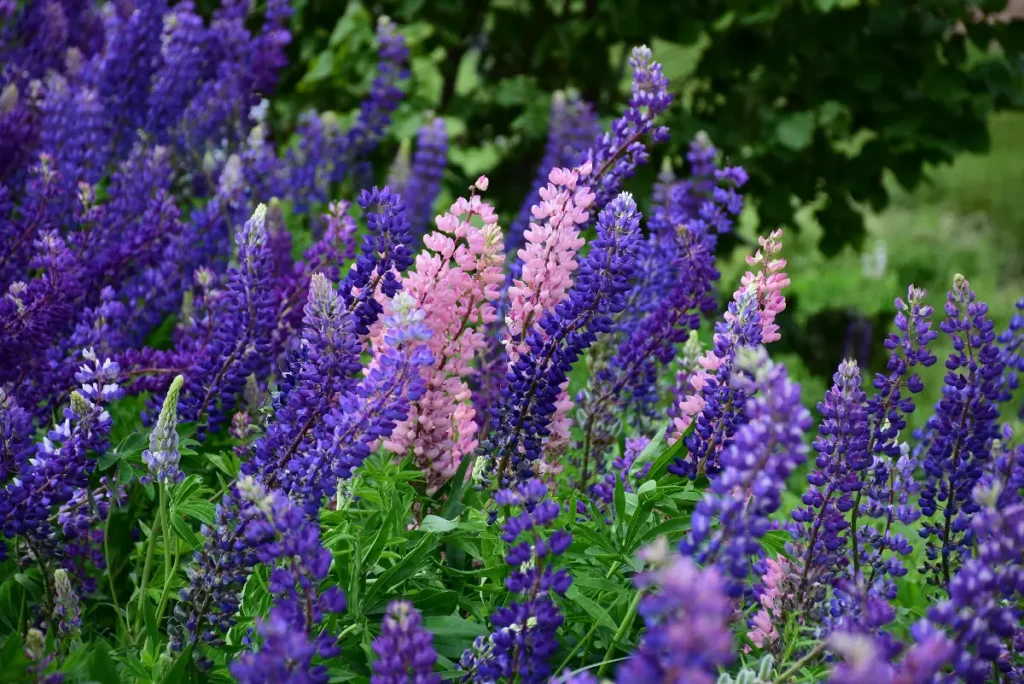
(604, 491)
(818, 528)
(687, 615)
(380, 402)
(983, 613)
(241, 341)
(40, 212)
(524, 637)
(535, 381)
(405, 650)
(19, 129)
(33, 313)
(125, 70)
(1011, 345)
(428, 165)
(285, 655)
(79, 544)
(715, 406)
(455, 282)
(16, 430)
(66, 604)
(75, 131)
(572, 128)
(162, 456)
(61, 464)
(616, 154)
(886, 468)
(375, 111)
(865, 658)
(755, 465)
(386, 251)
(964, 425)
(182, 67)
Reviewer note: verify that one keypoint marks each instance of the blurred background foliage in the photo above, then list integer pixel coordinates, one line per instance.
(882, 131)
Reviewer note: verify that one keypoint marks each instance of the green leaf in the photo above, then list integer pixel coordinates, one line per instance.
(454, 626)
(595, 611)
(102, 667)
(435, 523)
(404, 568)
(179, 672)
(184, 531)
(795, 130)
(667, 528)
(620, 503)
(149, 620)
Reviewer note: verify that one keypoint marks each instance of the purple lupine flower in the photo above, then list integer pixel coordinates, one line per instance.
(755, 465)
(572, 128)
(385, 251)
(983, 613)
(41, 211)
(360, 418)
(524, 636)
(1011, 346)
(75, 131)
(865, 659)
(241, 342)
(15, 435)
(162, 456)
(285, 655)
(182, 67)
(405, 650)
(428, 165)
(66, 604)
(818, 528)
(604, 491)
(617, 153)
(61, 464)
(79, 543)
(722, 403)
(375, 111)
(19, 130)
(964, 425)
(126, 68)
(687, 615)
(520, 422)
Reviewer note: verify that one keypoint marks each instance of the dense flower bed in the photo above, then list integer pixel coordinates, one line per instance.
(432, 448)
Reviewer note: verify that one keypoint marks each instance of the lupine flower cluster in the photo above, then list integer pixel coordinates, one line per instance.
(370, 421)
(525, 629)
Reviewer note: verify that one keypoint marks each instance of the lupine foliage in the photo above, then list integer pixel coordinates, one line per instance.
(498, 455)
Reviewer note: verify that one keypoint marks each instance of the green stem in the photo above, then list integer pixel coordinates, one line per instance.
(623, 629)
(106, 554)
(145, 572)
(584, 640)
(168, 537)
(795, 667)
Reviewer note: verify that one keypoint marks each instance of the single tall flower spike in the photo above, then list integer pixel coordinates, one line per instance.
(455, 282)
(66, 601)
(405, 650)
(162, 456)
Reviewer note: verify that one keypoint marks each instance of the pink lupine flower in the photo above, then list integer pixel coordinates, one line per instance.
(764, 631)
(770, 280)
(549, 260)
(454, 281)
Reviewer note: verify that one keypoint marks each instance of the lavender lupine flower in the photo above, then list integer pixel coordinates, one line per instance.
(1011, 345)
(375, 111)
(524, 636)
(687, 613)
(79, 543)
(241, 341)
(604, 491)
(182, 67)
(40, 211)
(162, 456)
(15, 435)
(405, 650)
(285, 655)
(33, 313)
(19, 129)
(75, 131)
(865, 658)
(983, 613)
(885, 468)
(617, 153)
(369, 413)
(66, 604)
(964, 425)
(520, 422)
(386, 252)
(428, 166)
(572, 128)
(126, 68)
(818, 527)
(755, 465)
(61, 464)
